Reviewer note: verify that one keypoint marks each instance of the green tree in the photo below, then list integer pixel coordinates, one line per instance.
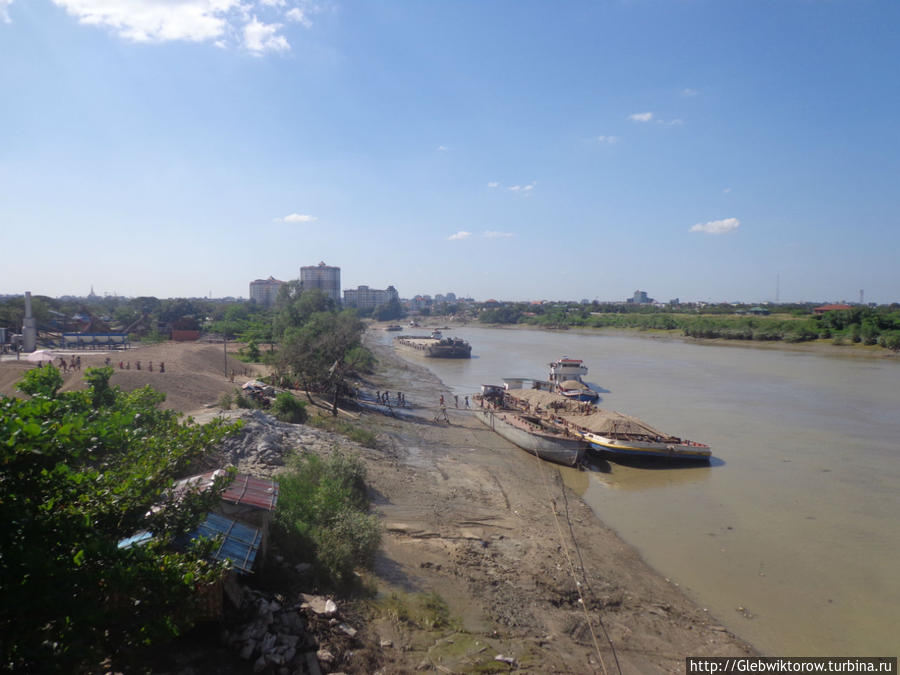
(324, 351)
(79, 472)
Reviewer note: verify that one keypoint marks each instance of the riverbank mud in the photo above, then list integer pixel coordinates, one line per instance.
(527, 570)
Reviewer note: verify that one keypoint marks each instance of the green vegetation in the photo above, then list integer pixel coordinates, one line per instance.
(337, 425)
(79, 472)
(319, 346)
(322, 515)
(287, 408)
(865, 325)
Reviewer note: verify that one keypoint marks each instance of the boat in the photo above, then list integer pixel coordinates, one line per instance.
(528, 430)
(611, 433)
(435, 346)
(565, 374)
(394, 327)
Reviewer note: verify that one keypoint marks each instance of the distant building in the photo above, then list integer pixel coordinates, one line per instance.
(420, 302)
(640, 298)
(265, 291)
(324, 277)
(831, 308)
(364, 297)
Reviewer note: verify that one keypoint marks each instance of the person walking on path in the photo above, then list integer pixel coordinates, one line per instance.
(456, 400)
(467, 402)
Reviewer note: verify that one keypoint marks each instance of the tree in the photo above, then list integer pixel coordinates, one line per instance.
(79, 472)
(390, 311)
(323, 351)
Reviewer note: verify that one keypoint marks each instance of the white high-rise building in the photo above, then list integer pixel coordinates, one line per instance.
(324, 277)
(364, 297)
(265, 291)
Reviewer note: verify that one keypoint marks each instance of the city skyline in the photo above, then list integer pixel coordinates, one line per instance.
(707, 151)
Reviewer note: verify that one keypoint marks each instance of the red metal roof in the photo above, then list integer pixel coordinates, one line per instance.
(244, 489)
(258, 492)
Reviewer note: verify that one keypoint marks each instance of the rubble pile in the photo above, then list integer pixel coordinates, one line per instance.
(260, 447)
(279, 637)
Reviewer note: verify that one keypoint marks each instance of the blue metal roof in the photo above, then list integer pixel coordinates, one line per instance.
(239, 542)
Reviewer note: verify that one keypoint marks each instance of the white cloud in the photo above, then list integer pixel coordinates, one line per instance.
(522, 188)
(726, 190)
(607, 139)
(641, 117)
(252, 24)
(297, 218)
(717, 226)
(493, 234)
(670, 123)
(493, 184)
(462, 234)
(689, 92)
(442, 148)
(260, 37)
(4, 10)
(297, 15)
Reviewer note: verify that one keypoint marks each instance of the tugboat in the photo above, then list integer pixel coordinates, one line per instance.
(565, 377)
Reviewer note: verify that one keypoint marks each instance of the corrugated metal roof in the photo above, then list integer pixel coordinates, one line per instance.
(244, 489)
(239, 542)
(258, 492)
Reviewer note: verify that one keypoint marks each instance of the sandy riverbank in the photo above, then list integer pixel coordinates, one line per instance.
(494, 531)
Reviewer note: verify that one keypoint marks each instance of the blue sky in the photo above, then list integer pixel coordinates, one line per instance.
(697, 149)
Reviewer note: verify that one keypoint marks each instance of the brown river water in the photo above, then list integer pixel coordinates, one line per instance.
(791, 537)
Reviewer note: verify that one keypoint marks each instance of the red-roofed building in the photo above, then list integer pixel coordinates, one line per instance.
(831, 308)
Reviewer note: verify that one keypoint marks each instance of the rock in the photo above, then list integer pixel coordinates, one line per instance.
(325, 656)
(259, 665)
(319, 604)
(330, 607)
(385, 644)
(247, 651)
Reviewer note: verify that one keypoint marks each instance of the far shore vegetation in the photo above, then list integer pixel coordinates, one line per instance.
(278, 335)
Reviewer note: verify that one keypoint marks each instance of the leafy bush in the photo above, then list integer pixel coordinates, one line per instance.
(322, 511)
(79, 471)
(288, 408)
(337, 425)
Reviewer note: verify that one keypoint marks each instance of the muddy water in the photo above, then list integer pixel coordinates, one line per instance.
(792, 536)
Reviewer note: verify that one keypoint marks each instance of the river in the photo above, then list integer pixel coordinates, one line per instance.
(791, 537)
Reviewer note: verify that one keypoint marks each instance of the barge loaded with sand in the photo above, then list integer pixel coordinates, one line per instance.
(529, 431)
(435, 346)
(608, 432)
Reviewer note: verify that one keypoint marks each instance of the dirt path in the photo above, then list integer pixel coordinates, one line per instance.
(493, 531)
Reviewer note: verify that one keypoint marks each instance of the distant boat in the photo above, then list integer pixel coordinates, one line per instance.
(394, 327)
(565, 376)
(435, 346)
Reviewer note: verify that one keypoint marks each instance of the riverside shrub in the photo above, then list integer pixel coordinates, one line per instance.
(288, 408)
(322, 515)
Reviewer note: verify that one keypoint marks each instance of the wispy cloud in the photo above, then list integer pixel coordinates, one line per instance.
(4, 10)
(254, 25)
(726, 190)
(606, 139)
(462, 234)
(522, 188)
(493, 184)
(646, 117)
(670, 123)
(493, 234)
(717, 226)
(689, 92)
(641, 117)
(261, 37)
(442, 148)
(297, 218)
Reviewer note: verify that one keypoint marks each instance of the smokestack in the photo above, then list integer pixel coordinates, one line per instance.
(29, 327)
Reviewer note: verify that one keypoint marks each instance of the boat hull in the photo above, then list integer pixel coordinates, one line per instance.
(632, 449)
(432, 348)
(566, 451)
